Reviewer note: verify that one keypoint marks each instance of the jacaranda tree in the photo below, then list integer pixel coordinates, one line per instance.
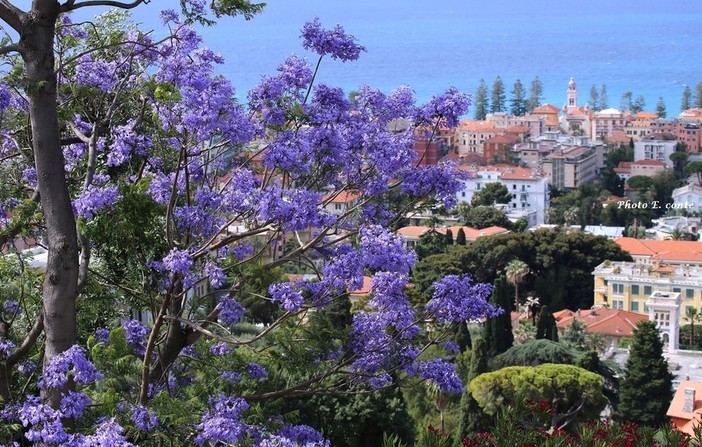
(159, 195)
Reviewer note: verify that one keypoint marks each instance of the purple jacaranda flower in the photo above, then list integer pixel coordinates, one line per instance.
(335, 43)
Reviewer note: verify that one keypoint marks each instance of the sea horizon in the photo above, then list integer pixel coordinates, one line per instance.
(647, 48)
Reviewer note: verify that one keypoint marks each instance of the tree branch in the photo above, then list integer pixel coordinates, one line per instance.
(11, 15)
(28, 342)
(71, 5)
(12, 48)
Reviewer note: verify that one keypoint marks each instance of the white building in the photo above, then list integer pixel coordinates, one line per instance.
(529, 188)
(656, 146)
(689, 198)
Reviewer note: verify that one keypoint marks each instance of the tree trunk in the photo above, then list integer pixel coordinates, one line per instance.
(61, 280)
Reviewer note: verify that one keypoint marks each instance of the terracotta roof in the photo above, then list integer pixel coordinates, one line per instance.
(614, 322)
(649, 163)
(646, 115)
(546, 108)
(502, 139)
(682, 420)
(414, 231)
(618, 136)
(341, 197)
(517, 129)
(662, 250)
(364, 291)
(478, 126)
(507, 172)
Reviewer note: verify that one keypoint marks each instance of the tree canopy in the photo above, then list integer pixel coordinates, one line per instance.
(178, 216)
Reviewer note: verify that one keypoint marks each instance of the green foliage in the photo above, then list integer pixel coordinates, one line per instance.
(590, 360)
(497, 331)
(574, 335)
(221, 8)
(536, 91)
(568, 387)
(518, 103)
(430, 243)
(434, 267)
(546, 325)
(486, 216)
(472, 419)
(481, 101)
(492, 193)
(572, 256)
(497, 96)
(461, 237)
(646, 390)
(534, 353)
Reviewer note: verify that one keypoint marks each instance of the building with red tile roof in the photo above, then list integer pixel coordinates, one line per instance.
(685, 410)
(498, 149)
(613, 324)
(529, 187)
(471, 134)
(676, 253)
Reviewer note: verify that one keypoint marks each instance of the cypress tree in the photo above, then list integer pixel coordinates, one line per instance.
(498, 331)
(498, 97)
(660, 108)
(594, 98)
(461, 237)
(449, 237)
(518, 103)
(472, 419)
(546, 325)
(603, 97)
(686, 99)
(461, 336)
(647, 388)
(481, 101)
(535, 94)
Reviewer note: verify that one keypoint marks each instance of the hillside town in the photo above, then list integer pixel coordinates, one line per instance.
(315, 268)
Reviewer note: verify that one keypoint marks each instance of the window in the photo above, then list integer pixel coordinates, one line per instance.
(648, 290)
(617, 304)
(634, 306)
(689, 293)
(677, 289)
(514, 186)
(337, 206)
(617, 289)
(635, 289)
(463, 193)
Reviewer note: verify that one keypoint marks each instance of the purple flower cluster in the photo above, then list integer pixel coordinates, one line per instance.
(70, 363)
(220, 349)
(135, 332)
(73, 404)
(143, 418)
(441, 180)
(456, 298)
(11, 309)
(256, 371)
(230, 311)
(223, 422)
(126, 142)
(443, 374)
(295, 209)
(5, 98)
(295, 436)
(447, 107)
(335, 43)
(99, 73)
(102, 335)
(284, 293)
(215, 274)
(178, 262)
(95, 199)
(6, 347)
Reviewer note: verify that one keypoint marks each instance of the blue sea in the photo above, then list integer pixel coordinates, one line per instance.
(651, 48)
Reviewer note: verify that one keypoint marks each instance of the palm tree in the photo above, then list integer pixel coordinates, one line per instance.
(692, 315)
(596, 342)
(516, 271)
